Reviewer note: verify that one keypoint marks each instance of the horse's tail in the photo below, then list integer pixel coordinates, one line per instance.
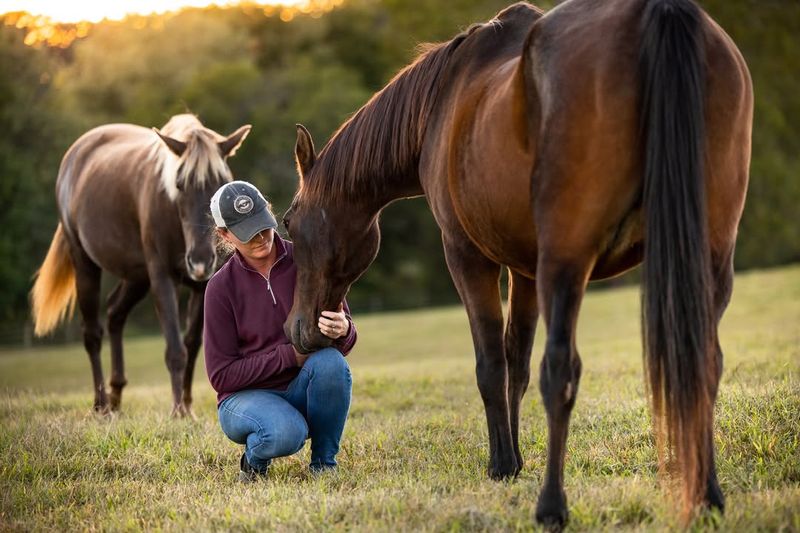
(53, 294)
(677, 305)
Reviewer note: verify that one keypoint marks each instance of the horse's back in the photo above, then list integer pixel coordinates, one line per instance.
(100, 181)
(101, 154)
(557, 164)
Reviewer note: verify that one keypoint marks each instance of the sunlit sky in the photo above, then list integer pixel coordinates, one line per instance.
(96, 10)
(58, 23)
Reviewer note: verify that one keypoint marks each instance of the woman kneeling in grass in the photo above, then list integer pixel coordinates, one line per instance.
(270, 397)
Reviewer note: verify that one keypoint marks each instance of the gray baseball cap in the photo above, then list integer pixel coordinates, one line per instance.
(241, 208)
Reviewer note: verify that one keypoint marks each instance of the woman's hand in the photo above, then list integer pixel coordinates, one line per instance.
(334, 324)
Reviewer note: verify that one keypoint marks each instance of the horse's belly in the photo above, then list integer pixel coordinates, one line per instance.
(494, 209)
(114, 249)
(107, 228)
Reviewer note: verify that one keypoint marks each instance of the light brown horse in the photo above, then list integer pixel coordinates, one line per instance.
(566, 146)
(134, 202)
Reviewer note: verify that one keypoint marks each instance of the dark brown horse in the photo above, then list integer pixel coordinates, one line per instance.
(134, 202)
(566, 146)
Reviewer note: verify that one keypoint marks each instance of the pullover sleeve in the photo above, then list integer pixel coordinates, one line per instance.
(345, 344)
(228, 370)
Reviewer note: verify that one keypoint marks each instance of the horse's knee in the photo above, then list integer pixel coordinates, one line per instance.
(115, 322)
(192, 343)
(176, 359)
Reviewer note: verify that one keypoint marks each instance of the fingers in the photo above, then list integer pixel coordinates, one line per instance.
(333, 328)
(329, 329)
(333, 324)
(329, 321)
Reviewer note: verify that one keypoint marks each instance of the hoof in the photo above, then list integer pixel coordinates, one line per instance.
(715, 500)
(103, 411)
(183, 411)
(551, 511)
(100, 400)
(502, 470)
(101, 407)
(115, 401)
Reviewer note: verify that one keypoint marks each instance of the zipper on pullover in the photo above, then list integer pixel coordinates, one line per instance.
(269, 283)
(269, 288)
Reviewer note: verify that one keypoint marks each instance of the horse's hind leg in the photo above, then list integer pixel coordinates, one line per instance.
(561, 285)
(191, 341)
(476, 279)
(87, 282)
(723, 287)
(120, 303)
(523, 312)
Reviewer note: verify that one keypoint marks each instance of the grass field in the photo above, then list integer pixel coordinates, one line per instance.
(415, 446)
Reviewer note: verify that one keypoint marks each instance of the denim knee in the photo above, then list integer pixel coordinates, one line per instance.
(288, 440)
(328, 363)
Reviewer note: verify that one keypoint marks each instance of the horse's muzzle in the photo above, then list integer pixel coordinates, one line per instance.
(305, 336)
(200, 271)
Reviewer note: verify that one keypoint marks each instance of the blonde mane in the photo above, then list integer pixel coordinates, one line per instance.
(200, 162)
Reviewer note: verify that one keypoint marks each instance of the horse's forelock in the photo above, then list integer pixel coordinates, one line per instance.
(201, 162)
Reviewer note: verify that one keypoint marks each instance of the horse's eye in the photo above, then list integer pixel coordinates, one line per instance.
(286, 223)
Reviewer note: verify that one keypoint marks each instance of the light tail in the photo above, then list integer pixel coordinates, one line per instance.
(54, 293)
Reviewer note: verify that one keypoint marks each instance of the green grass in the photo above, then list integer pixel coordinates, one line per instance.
(415, 447)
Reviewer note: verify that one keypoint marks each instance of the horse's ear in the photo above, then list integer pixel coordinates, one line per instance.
(177, 147)
(304, 151)
(229, 146)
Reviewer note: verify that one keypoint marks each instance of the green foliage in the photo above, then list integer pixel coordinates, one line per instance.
(233, 66)
(29, 153)
(153, 59)
(414, 452)
(766, 33)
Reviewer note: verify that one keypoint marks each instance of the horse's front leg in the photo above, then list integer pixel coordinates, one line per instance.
(523, 312)
(166, 299)
(191, 341)
(476, 279)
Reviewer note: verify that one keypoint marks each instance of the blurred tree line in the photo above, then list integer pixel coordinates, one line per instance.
(239, 65)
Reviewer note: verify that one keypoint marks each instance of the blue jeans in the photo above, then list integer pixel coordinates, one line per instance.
(274, 423)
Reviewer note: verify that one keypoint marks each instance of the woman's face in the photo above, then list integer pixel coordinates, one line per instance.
(258, 248)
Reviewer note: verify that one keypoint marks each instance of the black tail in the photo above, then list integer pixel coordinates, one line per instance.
(677, 312)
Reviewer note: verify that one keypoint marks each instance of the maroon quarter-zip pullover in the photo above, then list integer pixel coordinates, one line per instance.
(243, 339)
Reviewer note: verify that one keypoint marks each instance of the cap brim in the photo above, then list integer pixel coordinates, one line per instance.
(249, 227)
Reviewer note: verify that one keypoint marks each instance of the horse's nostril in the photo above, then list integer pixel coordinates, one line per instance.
(198, 270)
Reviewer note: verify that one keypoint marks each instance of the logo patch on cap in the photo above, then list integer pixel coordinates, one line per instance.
(243, 204)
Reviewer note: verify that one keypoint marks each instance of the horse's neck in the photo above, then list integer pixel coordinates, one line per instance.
(372, 204)
(408, 187)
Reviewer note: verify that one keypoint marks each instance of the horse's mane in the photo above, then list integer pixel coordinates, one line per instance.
(201, 161)
(381, 141)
